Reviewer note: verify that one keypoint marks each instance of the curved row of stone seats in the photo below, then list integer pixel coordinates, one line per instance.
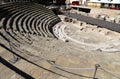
(44, 27)
(9, 28)
(19, 22)
(48, 17)
(44, 16)
(45, 30)
(44, 23)
(30, 22)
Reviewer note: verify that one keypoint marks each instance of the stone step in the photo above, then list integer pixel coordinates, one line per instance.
(6, 21)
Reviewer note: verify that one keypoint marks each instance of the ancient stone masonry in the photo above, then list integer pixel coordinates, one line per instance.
(94, 21)
(55, 47)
